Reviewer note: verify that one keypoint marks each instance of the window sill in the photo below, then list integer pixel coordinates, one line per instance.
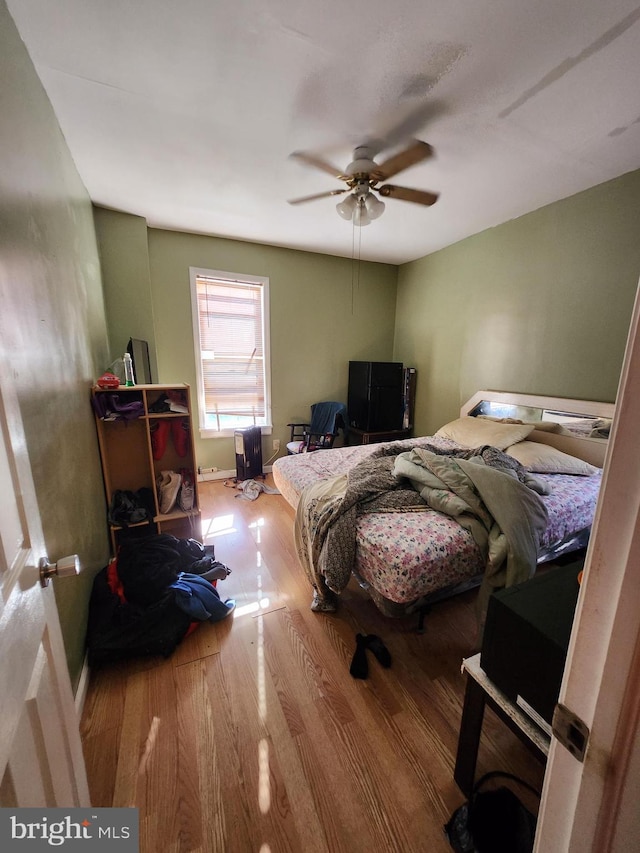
(229, 433)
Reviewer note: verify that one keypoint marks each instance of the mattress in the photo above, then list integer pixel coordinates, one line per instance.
(406, 556)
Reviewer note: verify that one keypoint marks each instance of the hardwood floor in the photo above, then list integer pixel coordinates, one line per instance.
(253, 736)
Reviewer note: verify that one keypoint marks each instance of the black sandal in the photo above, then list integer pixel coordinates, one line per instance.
(360, 665)
(379, 649)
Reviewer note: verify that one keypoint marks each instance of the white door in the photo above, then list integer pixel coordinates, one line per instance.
(41, 762)
(593, 806)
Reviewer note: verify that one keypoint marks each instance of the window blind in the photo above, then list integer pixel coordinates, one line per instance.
(230, 318)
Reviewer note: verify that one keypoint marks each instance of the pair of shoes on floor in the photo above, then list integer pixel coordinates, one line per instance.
(160, 430)
(360, 665)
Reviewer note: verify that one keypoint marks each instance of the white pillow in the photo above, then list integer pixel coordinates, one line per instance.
(547, 426)
(543, 426)
(476, 432)
(544, 459)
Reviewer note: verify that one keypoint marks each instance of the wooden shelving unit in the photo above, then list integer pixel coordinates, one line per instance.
(128, 462)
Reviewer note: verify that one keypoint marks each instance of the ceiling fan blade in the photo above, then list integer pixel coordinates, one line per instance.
(408, 127)
(406, 194)
(415, 153)
(317, 195)
(312, 160)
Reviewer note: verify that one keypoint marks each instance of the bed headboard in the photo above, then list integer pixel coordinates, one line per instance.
(583, 424)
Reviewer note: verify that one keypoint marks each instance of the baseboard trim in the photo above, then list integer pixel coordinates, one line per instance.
(83, 687)
(225, 475)
(216, 475)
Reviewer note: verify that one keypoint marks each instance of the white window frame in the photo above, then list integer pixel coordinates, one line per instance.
(207, 430)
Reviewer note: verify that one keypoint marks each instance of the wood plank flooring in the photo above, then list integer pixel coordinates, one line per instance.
(253, 736)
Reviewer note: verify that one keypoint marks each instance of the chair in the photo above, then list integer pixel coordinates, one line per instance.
(327, 419)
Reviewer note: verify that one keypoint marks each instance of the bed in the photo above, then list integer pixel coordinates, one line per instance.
(408, 560)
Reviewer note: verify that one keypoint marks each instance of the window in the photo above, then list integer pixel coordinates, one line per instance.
(231, 340)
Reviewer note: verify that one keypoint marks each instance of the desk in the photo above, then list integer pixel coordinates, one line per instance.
(361, 436)
(480, 691)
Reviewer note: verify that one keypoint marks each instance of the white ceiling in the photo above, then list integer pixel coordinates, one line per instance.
(185, 112)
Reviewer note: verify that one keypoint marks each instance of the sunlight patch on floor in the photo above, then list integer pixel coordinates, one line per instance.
(254, 527)
(149, 745)
(262, 688)
(218, 525)
(253, 607)
(248, 602)
(264, 788)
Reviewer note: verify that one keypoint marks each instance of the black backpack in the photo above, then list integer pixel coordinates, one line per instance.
(493, 820)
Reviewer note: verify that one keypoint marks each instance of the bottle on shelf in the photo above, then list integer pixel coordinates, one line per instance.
(129, 379)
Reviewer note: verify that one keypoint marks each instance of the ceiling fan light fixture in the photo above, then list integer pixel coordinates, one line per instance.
(360, 214)
(363, 174)
(346, 208)
(374, 206)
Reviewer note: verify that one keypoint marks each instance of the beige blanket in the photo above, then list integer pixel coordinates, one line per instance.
(317, 508)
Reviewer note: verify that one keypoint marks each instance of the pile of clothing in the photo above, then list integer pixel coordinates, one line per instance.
(155, 592)
(111, 407)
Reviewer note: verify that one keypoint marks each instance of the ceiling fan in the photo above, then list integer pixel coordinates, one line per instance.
(362, 177)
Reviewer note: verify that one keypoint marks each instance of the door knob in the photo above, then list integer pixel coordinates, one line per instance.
(64, 568)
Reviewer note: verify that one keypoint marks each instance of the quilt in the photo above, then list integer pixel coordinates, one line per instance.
(481, 488)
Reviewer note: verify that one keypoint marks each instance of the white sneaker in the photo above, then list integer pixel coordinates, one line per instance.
(187, 492)
(168, 484)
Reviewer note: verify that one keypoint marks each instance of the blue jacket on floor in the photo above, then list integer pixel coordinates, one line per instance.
(199, 598)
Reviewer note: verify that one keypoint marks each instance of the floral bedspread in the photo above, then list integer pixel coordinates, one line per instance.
(407, 555)
(294, 473)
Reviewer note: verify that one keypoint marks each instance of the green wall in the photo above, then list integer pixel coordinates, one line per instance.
(52, 326)
(539, 305)
(124, 260)
(320, 316)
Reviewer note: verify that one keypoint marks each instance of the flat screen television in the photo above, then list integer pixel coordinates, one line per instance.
(139, 352)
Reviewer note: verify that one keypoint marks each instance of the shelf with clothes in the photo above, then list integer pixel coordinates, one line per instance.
(145, 435)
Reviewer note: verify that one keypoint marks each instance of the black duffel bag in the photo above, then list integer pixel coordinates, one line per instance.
(493, 820)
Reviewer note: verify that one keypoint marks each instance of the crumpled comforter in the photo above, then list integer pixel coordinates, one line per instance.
(325, 524)
(487, 495)
(505, 516)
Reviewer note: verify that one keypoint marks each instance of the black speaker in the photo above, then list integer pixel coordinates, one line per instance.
(248, 445)
(526, 637)
(375, 398)
(408, 397)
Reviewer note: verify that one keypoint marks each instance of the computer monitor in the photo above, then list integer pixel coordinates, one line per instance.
(139, 351)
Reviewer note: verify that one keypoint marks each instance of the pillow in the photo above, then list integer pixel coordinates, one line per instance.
(547, 426)
(543, 459)
(500, 420)
(475, 432)
(543, 426)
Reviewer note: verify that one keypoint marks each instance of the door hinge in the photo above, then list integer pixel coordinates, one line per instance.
(571, 731)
